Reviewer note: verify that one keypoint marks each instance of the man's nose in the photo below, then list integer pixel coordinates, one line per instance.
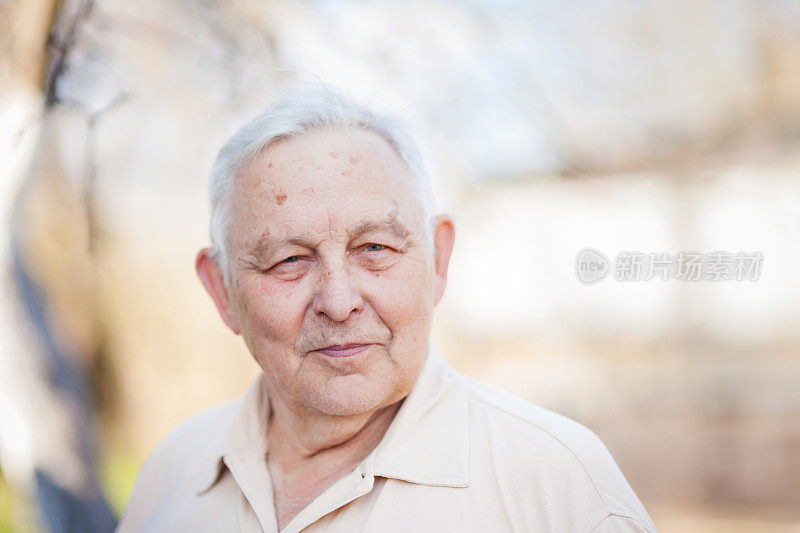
(337, 296)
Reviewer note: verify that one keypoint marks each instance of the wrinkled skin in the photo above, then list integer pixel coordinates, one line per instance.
(327, 247)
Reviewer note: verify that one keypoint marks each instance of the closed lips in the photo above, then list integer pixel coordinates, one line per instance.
(343, 350)
(344, 346)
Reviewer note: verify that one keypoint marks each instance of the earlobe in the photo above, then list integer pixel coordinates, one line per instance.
(444, 237)
(211, 275)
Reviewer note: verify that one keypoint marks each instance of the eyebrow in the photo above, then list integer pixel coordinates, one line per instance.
(265, 247)
(390, 224)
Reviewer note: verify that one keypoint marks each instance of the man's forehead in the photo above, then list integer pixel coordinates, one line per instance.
(348, 189)
(325, 156)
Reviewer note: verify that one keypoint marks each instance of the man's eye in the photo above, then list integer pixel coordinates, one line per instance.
(289, 261)
(372, 247)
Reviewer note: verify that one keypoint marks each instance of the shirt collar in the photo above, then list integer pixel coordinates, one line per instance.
(426, 443)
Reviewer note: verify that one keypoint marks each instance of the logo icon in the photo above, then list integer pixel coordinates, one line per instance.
(591, 266)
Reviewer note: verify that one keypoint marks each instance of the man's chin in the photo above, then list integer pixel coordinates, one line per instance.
(351, 394)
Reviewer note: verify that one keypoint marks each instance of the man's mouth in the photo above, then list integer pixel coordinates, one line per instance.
(344, 350)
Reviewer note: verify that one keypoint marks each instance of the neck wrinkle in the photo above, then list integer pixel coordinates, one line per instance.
(351, 446)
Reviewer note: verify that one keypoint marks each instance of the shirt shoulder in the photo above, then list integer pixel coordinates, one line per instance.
(176, 460)
(539, 450)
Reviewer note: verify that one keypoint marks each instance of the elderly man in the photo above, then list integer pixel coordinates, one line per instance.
(328, 261)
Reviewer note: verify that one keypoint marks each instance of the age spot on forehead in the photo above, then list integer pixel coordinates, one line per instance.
(280, 198)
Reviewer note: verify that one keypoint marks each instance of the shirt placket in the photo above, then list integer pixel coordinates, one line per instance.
(354, 485)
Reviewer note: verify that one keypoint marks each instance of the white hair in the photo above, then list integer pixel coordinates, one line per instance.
(301, 109)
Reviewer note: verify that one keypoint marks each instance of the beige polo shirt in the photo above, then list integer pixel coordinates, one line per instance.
(460, 455)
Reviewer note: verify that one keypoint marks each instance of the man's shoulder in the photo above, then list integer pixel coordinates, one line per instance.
(532, 444)
(185, 445)
(530, 420)
(194, 435)
(173, 465)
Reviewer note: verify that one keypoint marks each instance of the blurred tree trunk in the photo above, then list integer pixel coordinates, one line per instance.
(46, 414)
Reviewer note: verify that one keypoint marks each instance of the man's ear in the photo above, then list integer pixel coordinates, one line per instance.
(444, 236)
(211, 276)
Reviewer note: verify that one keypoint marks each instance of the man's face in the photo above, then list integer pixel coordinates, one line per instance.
(327, 249)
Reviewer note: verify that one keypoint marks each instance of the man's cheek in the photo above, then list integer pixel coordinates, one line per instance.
(276, 311)
(404, 310)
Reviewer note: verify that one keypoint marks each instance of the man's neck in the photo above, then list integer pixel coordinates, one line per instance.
(296, 439)
(307, 453)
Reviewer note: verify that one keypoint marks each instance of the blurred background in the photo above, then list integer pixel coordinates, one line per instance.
(548, 127)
